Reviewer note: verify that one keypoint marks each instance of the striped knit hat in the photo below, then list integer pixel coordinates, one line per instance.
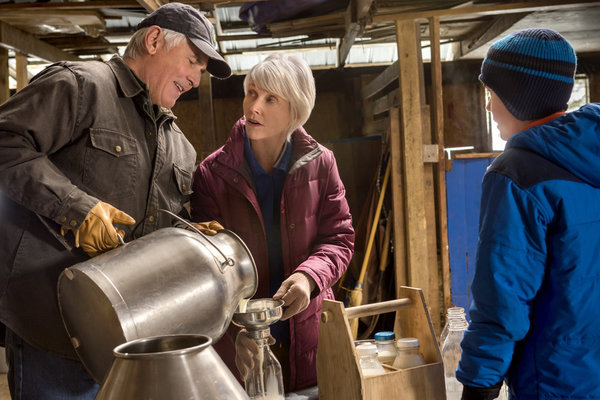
(532, 72)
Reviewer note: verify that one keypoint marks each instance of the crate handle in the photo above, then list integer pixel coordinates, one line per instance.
(377, 308)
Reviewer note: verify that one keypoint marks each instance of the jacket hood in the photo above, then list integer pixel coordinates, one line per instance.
(571, 141)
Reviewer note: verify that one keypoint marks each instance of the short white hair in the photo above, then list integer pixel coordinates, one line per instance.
(290, 78)
(137, 46)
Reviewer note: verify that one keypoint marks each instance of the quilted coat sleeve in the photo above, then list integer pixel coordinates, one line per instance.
(510, 268)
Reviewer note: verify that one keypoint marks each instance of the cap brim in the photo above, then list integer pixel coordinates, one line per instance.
(217, 66)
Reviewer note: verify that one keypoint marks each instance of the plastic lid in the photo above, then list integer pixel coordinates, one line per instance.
(386, 335)
(407, 342)
(366, 349)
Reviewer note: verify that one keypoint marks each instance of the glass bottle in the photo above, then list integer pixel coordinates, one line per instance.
(451, 352)
(386, 347)
(265, 380)
(408, 353)
(367, 357)
(452, 312)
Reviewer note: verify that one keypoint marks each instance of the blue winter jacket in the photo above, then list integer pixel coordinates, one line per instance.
(536, 290)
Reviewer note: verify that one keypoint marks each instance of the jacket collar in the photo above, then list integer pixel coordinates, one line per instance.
(132, 86)
(303, 145)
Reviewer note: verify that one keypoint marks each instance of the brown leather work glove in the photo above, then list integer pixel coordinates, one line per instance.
(246, 350)
(209, 228)
(295, 292)
(97, 233)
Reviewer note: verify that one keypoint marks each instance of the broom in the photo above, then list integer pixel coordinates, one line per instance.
(357, 293)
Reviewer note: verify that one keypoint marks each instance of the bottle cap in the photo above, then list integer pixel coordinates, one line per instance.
(386, 335)
(407, 342)
(366, 349)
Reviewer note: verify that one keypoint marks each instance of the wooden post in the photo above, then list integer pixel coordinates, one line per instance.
(412, 158)
(21, 67)
(437, 124)
(4, 91)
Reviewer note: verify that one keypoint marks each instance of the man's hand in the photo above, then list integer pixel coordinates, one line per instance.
(295, 292)
(97, 233)
(209, 228)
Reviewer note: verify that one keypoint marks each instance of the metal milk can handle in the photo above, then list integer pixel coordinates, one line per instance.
(227, 261)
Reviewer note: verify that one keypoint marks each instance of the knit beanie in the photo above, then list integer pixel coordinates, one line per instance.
(532, 72)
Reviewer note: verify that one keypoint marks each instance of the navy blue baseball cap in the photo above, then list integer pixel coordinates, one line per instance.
(187, 20)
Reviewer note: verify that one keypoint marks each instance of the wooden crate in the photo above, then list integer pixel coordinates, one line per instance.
(338, 372)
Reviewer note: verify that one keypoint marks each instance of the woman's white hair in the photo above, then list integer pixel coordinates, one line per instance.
(136, 46)
(290, 78)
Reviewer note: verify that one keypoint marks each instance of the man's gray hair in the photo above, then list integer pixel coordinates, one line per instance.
(137, 47)
(290, 78)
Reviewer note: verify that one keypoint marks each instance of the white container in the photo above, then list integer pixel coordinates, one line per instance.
(386, 347)
(408, 353)
(369, 364)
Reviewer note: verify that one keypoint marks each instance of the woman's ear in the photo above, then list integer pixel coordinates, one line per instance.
(152, 39)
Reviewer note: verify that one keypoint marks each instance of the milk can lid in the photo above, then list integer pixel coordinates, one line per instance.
(408, 342)
(385, 335)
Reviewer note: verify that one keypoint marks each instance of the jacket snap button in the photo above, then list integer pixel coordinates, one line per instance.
(118, 148)
(151, 218)
(73, 223)
(184, 186)
(292, 226)
(63, 218)
(235, 180)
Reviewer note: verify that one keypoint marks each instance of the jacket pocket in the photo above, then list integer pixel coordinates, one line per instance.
(111, 160)
(183, 180)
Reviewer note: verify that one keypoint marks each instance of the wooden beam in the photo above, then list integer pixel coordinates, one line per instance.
(21, 67)
(412, 156)
(503, 8)
(490, 31)
(25, 43)
(398, 208)
(437, 126)
(4, 91)
(150, 5)
(355, 22)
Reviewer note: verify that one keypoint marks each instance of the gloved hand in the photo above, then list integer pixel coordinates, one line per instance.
(295, 292)
(97, 233)
(246, 350)
(209, 228)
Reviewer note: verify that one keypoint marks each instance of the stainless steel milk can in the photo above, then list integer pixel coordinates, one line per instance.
(172, 281)
(172, 367)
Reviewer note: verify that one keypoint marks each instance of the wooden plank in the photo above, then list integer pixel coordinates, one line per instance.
(437, 125)
(412, 155)
(150, 5)
(28, 44)
(389, 75)
(489, 31)
(502, 8)
(356, 14)
(397, 185)
(4, 90)
(21, 67)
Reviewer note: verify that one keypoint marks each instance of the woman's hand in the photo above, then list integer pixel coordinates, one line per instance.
(295, 292)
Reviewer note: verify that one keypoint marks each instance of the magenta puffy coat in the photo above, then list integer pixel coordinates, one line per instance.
(316, 231)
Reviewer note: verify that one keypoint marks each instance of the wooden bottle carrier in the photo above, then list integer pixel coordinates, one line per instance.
(338, 371)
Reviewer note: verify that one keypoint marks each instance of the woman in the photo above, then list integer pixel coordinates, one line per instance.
(280, 191)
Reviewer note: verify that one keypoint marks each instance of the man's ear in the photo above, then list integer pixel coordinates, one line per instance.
(152, 39)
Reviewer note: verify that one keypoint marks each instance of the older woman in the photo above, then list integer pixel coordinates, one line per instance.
(280, 191)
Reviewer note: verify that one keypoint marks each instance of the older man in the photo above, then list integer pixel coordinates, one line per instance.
(87, 149)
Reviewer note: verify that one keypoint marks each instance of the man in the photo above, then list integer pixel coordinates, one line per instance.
(536, 285)
(88, 150)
